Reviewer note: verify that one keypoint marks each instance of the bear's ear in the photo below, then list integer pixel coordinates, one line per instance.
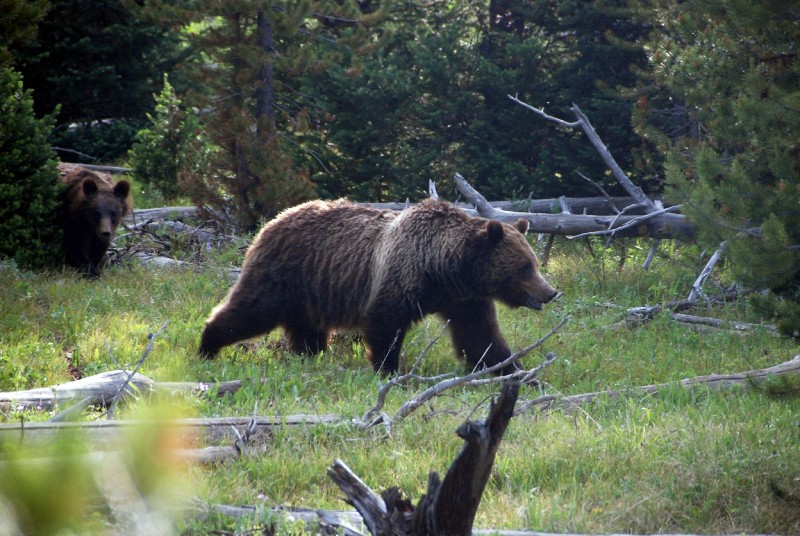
(522, 225)
(122, 188)
(89, 186)
(493, 233)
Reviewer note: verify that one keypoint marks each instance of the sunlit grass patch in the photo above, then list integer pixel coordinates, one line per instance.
(680, 461)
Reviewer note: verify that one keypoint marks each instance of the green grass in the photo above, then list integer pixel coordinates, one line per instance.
(699, 462)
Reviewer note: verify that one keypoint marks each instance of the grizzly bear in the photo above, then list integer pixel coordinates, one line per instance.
(93, 207)
(325, 265)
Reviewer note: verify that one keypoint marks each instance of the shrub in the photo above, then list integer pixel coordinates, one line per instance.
(29, 188)
(172, 148)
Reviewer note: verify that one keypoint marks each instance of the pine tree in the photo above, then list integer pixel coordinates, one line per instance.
(253, 108)
(18, 24)
(100, 62)
(29, 190)
(731, 67)
(433, 98)
(173, 150)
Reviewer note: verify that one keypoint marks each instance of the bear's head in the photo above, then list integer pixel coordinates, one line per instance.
(104, 205)
(510, 267)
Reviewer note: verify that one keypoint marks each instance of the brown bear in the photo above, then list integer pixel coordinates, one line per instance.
(325, 265)
(93, 207)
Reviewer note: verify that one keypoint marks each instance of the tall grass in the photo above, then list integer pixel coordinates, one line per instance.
(699, 462)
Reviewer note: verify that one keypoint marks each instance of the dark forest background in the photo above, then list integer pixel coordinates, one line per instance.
(250, 106)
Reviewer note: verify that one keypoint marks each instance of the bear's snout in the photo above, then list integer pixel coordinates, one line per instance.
(536, 302)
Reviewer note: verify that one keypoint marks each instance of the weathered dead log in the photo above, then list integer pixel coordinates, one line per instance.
(661, 225)
(719, 323)
(580, 205)
(101, 169)
(347, 522)
(101, 389)
(178, 227)
(768, 378)
(450, 505)
(113, 170)
(163, 213)
(697, 286)
(206, 431)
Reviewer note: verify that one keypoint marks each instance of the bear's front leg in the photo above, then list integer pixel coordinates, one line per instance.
(476, 334)
(232, 322)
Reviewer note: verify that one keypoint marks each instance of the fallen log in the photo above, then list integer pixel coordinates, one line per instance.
(660, 225)
(580, 205)
(718, 323)
(206, 431)
(589, 214)
(766, 378)
(349, 521)
(101, 389)
(163, 213)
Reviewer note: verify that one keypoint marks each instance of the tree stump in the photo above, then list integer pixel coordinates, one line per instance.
(450, 505)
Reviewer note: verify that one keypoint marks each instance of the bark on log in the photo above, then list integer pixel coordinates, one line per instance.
(450, 505)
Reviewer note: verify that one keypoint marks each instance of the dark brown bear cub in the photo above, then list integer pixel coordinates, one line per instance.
(93, 208)
(325, 265)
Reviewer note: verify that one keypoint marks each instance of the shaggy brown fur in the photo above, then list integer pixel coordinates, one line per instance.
(325, 265)
(93, 208)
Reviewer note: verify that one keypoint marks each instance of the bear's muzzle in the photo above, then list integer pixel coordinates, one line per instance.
(534, 303)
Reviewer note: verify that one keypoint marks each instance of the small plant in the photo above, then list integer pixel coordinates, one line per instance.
(172, 149)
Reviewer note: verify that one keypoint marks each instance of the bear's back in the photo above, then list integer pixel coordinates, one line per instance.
(318, 256)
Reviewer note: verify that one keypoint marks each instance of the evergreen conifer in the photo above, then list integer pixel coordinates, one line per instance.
(29, 188)
(731, 67)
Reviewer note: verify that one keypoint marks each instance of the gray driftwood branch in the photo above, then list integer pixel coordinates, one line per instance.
(101, 389)
(583, 122)
(769, 378)
(482, 376)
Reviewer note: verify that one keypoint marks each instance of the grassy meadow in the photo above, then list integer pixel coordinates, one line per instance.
(680, 462)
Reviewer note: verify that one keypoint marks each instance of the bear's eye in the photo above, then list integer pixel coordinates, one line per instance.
(526, 271)
(113, 215)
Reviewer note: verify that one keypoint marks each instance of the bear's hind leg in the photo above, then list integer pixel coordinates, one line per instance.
(384, 347)
(228, 324)
(306, 339)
